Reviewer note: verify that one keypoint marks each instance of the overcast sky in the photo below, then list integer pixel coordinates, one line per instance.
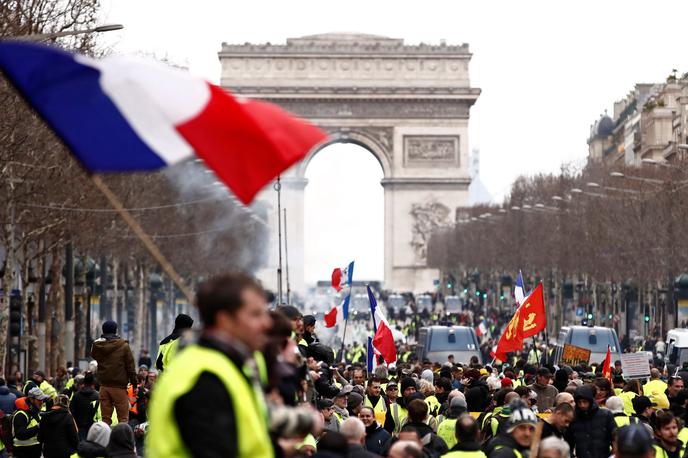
(547, 69)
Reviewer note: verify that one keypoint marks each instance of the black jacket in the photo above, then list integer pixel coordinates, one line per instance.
(590, 433)
(20, 424)
(121, 442)
(88, 449)
(432, 443)
(357, 451)
(376, 438)
(477, 396)
(82, 407)
(57, 432)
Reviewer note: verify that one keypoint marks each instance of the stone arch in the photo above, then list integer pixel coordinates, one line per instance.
(409, 105)
(361, 138)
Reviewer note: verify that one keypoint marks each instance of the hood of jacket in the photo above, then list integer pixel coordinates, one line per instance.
(502, 440)
(4, 390)
(88, 449)
(54, 416)
(108, 344)
(121, 442)
(423, 429)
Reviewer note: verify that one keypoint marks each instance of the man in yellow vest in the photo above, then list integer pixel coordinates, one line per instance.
(209, 401)
(168, 346)
(375, 400)
(25, 422)
(466, 443)
(667, 443)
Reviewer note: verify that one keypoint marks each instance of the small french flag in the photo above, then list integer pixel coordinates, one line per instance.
(519, 290)
(481, 329)
(338, 314)
(343, 276)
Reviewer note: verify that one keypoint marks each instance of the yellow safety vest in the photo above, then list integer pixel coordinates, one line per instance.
(447, 431)
(654, 386)
(661, 453)
(433, 405)
(627, 398)
(467, 454)
(624, 420)
(683, 435)
(164, 439)
(379, 409)
(516, 452)
(26, 442)
(98, 416)
(167, 351)
(399, 415)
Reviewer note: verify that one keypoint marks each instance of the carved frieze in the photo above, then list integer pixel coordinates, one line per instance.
(365, 109)
(431, 150)
(427, 217)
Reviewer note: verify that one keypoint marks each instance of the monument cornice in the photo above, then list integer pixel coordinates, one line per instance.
(426, 182)
(355, 92)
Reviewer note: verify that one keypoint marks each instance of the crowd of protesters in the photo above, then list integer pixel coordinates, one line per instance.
(255, 382)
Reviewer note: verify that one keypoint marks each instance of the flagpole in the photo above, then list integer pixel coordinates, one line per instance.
(346, 322)
(141, 234)
(286, 256)
(278, 188)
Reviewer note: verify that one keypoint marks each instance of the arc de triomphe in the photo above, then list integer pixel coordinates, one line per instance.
(407, 104)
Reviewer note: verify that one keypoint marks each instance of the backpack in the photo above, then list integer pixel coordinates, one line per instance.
(6, 431)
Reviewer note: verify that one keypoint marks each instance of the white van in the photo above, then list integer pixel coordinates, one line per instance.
(677, 346)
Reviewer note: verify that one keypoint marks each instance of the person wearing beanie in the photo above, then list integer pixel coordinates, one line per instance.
(84, 405)
(397, 413)
(518, 437)
(354, 404)
(616, 406)
(96, 441)
(309, 329)
(592, 430)
(116, 370)
(447, 427)
(169, 345)
(476, 391)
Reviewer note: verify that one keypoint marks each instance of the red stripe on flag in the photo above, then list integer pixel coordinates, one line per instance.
(384, 343)
(247, 144)
(337, 279)
(331, 318)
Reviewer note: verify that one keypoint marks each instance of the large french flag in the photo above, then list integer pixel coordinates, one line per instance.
(127, 114)
(383, 341)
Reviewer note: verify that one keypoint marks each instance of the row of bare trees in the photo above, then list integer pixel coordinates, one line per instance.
(48, 201)
(605, 226)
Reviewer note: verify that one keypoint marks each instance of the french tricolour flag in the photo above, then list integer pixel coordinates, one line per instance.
(481, 329)
(338, 314)
(126, 114)
(342, 276)
(519, 290)
(383, 341)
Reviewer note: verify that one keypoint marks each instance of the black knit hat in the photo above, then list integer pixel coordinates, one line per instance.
(406, 383)
(183, 322)
(109, 327)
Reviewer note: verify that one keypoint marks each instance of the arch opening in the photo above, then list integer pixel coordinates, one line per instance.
(344, 212)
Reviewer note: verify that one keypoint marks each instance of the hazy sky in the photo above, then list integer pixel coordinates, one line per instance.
(546, 69)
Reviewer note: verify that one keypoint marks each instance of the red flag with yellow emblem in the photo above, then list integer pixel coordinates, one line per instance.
(533, 314)
(512, 337)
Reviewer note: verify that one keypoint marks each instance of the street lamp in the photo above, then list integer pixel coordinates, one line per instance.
(526, 207)
(577, 191)
(592, 184)
(618, 174)
(515, 208)
(557, 198)
(67, 33)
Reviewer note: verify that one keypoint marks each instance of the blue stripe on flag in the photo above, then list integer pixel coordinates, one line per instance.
(69, 97)
(373, 306)
(350, 279)
(345, 306)
(371, 355)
